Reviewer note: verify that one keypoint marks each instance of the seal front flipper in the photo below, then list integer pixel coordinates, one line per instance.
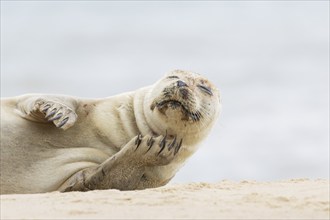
(125, 170)
(59, 110)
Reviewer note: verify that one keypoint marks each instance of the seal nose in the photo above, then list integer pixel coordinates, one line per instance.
(181, 84)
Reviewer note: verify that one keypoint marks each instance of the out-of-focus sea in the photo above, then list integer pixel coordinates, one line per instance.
(269, 59)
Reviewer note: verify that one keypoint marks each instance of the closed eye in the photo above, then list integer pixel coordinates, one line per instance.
(205, 89)
(173, 77)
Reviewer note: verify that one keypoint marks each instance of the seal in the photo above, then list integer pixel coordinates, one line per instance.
(134, 140)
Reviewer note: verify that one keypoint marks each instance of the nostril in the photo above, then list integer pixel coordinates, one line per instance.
(181, 84)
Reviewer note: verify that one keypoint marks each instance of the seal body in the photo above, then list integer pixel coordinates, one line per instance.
(133, 140)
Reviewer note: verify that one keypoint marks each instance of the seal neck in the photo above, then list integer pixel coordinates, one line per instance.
(140, 115)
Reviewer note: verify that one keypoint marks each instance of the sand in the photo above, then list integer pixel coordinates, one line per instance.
(290, 199)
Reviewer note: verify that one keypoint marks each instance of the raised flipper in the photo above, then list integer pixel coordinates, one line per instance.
(56, 109)
(126, 169)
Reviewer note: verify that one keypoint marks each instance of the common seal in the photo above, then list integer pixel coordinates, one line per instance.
(134, 140)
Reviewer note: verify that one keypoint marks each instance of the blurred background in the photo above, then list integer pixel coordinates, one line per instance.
(269, 59)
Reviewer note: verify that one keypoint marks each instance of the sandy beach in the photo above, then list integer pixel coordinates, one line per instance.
(290, 199)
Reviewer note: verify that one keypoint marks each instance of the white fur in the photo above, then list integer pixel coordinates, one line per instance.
(38, 157)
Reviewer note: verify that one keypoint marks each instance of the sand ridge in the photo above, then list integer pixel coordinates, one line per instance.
(290, 199)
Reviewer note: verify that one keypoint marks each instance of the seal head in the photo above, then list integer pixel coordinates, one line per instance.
(184, 103)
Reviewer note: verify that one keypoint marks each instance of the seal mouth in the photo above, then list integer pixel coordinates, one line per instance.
(175, 104)
(171, 103)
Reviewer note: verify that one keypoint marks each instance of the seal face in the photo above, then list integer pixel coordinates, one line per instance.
(188, 97)
(185, 102)
(134, 140)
